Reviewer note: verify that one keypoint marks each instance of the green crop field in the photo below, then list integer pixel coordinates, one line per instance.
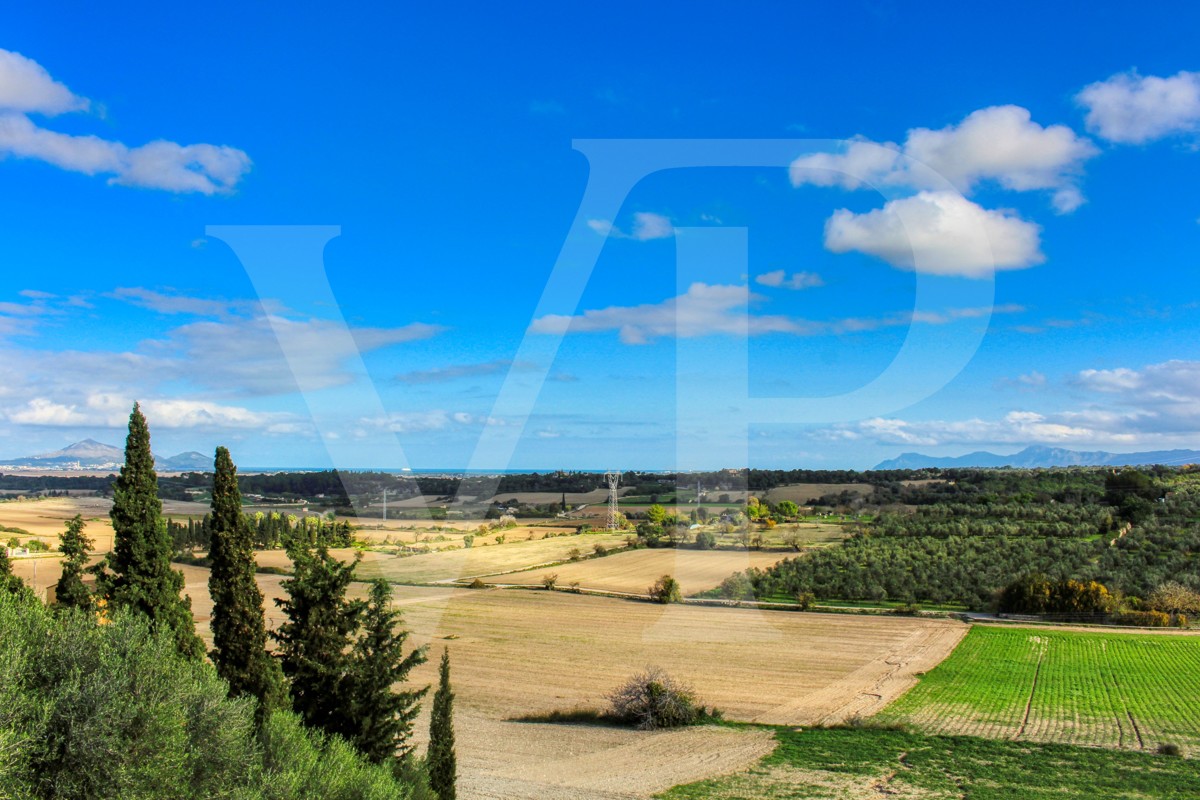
(847, 764)
(1134, 691)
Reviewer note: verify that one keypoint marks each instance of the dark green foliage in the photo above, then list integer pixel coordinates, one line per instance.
(315, 639)
(1037, 594)
(441, 761)
(968, 539)
(115, 711)
(92, 712)
(239, 631)
(384, 717)
(705, 540)
(141, 578)
(70, 591)
(267, 531)
(10, 583)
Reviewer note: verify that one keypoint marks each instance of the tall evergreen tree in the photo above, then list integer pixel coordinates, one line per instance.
(70, 591)
(441, 761)
(141, 578)
(384, 717)
(315, 639)
(238, 626)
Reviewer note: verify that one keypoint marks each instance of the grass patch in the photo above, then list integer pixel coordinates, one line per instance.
(1127, 690)
(851, 762)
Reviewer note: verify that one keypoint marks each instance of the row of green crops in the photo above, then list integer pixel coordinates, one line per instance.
(1135, 691)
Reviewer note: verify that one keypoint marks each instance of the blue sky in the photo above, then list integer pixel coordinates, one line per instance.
(1030, 170)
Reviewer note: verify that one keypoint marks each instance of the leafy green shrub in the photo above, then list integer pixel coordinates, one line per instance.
(665, 590)
(804, 600)
(705, 540)
(115, 711)
(737, 587)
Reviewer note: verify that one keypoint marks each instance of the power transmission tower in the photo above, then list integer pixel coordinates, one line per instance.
(614, 515)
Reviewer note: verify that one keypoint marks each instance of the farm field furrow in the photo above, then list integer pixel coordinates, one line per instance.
(1124, 690)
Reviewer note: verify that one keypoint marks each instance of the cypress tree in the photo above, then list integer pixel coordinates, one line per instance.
(441, 761)
(239, 630)
(315, 638)
(141, 577)
(384, 718)
(70, 591)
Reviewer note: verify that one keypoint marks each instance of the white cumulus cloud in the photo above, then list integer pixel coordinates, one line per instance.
(27, 88)
(940, 233)
(1132, 109)
(1000, 144)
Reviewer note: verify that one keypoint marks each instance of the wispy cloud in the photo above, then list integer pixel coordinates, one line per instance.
(646, 226)
(799, 280)
(708, 309)
(446, 374)
(106, 410)
(1149, 406)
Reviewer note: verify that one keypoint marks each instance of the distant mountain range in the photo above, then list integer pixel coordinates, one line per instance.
(1039, 456)
(92, 455)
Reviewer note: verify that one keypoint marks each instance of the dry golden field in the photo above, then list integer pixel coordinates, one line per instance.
(633, 571)
(474, 561)
(517, 652)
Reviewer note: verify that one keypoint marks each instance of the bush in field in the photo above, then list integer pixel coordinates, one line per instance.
(737, 587)
(599, 550)
(653, 699)
(804, 600)
(665, 590)
(549, 581)
(705, 540)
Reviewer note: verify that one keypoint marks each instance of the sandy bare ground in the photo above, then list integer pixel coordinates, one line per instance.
(523, 761)
(634, 571)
